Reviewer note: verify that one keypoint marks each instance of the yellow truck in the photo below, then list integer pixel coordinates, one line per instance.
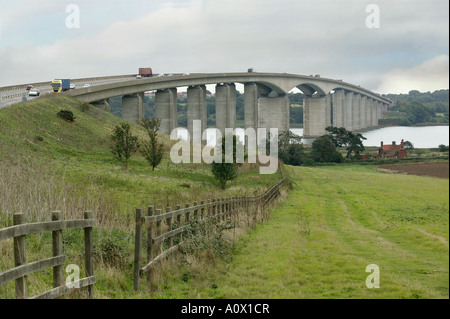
(60, 85)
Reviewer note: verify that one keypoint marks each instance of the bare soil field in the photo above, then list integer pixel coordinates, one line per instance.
(436, 169)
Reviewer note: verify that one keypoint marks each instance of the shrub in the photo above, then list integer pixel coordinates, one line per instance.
(124, 143)
(152, 150)
(66, 115)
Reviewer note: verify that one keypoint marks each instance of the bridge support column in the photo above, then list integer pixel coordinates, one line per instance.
(338, 108)
(273, 112)
(250, 110)
(375, 113)
(166, 109)
(363, 114)
(196, 110)
(369, 112)
(133, 107)
(356, 112)
(103, 105)
(225, 107)
(348, 108)
(316, 115)
(250, 105)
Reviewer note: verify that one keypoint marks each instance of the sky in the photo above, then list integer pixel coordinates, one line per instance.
(388, 46)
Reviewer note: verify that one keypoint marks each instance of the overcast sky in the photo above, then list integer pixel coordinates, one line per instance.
(409, 50)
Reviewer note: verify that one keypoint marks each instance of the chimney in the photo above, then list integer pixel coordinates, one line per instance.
(381, 144)
(393, 143)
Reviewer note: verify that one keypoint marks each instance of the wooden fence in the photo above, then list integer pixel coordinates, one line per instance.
(19, 273)
(181, 218)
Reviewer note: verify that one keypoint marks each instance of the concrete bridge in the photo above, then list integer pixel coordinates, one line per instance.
(266, 104)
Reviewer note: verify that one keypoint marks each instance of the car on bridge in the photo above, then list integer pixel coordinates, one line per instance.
(86, 85)
(33, 92)
(72, 86)
(29, 87)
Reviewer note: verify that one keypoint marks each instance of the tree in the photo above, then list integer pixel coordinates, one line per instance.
(152, 150)
(290, 149)
(124, 143)
(223, 171)
(408, 145)
(323, 150)
(341, 137)
(355, 144)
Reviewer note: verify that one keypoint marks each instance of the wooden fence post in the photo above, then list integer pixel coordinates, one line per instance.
(20, 257)
(158, 231)
(137, 248)
(195, 211)
(187, 215)
(202, 210)
(150, 247)
(88, 253)
(180, 235)
(57, 251)
(169, 225)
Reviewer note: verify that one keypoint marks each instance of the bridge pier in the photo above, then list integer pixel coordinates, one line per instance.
(316, 115)
(196, 110)
(133, 107)
(338, 108)
(103, 105)
(356, 111)
(273, 112)
(348, 108)
(363, 110)
(166, 109)
(225, 106)
(369, 103)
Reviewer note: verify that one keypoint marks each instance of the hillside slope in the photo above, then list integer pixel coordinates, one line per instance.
(69, 166)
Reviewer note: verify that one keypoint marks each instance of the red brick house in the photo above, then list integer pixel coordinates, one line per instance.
(392, 151)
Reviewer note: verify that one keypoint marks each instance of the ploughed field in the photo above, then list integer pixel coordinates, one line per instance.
(436, 169)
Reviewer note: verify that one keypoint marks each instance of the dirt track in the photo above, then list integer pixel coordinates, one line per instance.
(437, 169)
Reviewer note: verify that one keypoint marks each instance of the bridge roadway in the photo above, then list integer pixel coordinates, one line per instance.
(327, 101)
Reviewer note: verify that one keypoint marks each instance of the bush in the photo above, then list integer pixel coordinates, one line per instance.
(124, 143)
(66, 115)
(324, 151)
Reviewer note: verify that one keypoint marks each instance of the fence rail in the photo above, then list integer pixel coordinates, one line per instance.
(215, 209)
(19, 273)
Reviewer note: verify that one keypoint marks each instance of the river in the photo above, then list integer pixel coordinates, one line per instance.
(419, 136)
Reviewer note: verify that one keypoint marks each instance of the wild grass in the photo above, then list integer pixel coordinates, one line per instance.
(49, 164)
(335, 222)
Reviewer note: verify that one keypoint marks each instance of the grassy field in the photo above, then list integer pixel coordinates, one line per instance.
(336, 221)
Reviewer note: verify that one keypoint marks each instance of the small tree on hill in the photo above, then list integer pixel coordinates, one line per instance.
(152, 150)
(222, 171)
(124, 143)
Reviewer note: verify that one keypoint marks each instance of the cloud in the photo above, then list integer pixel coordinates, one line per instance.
(303, 37)
(428, 76)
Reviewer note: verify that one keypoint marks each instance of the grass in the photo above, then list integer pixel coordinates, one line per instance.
(49, 164)
(335, 222)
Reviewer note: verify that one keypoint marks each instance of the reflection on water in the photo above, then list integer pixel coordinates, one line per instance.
(420, 136)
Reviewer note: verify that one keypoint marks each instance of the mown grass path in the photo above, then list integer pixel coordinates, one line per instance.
(335, 222)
